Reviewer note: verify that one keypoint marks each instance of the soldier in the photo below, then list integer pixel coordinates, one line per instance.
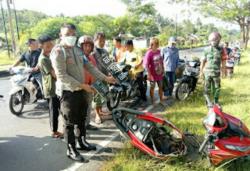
(211, 67)
(68, 61)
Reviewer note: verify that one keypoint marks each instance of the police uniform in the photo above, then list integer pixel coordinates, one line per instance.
(212, 58)
(68, 65)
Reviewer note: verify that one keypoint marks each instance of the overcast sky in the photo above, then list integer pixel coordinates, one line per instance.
(112, 7)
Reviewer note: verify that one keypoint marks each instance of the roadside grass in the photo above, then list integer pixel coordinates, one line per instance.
(5, 61)
(188, 115)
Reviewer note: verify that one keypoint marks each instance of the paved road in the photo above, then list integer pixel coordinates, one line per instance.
(25, 142)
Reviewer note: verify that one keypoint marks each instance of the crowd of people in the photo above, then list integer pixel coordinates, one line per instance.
(69, 68)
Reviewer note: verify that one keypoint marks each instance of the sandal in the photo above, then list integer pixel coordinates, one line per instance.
(98, 120)
(57, 135)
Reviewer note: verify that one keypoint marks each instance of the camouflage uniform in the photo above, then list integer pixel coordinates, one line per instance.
(212, 58)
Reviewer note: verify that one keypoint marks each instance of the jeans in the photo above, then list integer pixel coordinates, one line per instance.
(170, 76)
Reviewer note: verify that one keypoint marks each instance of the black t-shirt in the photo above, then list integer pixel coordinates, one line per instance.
(31, 58)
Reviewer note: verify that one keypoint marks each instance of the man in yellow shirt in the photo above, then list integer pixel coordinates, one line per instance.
(130, 57)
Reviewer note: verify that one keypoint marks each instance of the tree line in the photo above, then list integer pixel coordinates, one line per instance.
(140, 20)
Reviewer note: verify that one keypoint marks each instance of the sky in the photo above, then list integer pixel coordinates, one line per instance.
(112, 7)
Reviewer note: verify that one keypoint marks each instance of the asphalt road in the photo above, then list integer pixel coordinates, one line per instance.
(25, 142)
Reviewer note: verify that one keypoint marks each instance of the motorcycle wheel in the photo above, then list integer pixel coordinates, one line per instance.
(16, 103)
(113, 101)
(182, 91)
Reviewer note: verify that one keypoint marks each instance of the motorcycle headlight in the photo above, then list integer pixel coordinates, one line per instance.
(238, 148)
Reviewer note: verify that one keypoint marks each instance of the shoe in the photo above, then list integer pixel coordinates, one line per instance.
(84, 145)
(73, 154)
(91, 127)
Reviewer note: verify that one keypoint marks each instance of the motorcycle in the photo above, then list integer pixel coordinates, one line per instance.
(230, 66)
(236, 54)
(187, 83)
(125, 90)
(149, 133)
(152, 135)
(227, 137)
(25, 89)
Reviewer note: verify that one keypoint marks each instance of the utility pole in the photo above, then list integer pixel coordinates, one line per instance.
(5, 29)
(13, 41)
(17, 27)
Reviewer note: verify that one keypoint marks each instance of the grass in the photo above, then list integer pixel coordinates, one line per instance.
(5, 61)
(188, 115)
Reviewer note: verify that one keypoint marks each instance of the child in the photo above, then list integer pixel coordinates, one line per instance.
(48, 80)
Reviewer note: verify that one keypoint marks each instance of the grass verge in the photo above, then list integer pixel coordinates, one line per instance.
(5, 61)
(188, 115)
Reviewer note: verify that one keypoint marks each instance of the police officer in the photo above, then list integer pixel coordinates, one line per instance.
(211, 67)
(68, 61)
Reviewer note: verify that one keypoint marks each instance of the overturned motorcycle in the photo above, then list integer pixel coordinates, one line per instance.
(152, 135)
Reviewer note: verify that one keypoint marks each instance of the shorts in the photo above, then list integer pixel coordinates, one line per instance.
(159, 83)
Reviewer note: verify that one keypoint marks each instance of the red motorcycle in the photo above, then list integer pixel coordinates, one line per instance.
(152, 135)
(227, 138)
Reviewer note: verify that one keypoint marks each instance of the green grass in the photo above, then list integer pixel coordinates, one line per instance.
(5, 61)
(188, 115)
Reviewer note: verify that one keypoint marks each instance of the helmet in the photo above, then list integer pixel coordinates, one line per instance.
(214, 36)
(85, 39)
(172, 40)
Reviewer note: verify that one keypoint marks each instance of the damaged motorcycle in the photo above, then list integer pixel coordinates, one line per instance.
(227, 138)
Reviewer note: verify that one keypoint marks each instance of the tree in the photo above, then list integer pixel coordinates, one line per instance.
(49, 26)
(237, 11)
(101, 23)
(142, 18)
